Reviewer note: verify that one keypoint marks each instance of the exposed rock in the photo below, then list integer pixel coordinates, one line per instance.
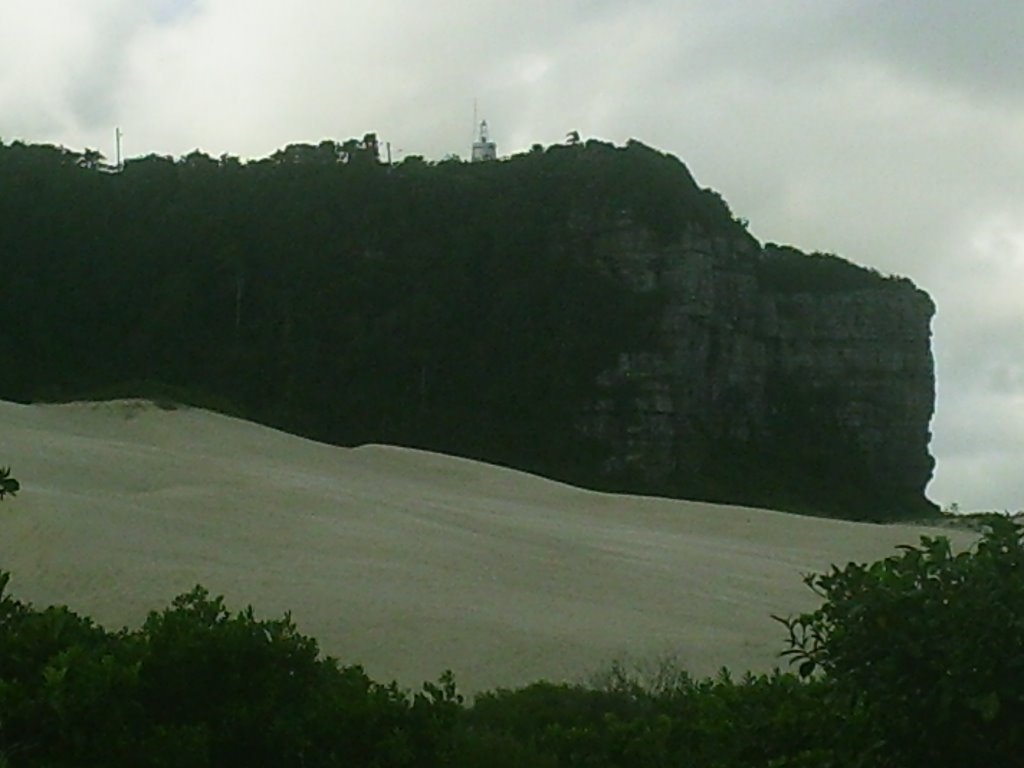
(759, 389)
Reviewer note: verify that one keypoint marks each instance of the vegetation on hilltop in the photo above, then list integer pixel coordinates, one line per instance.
(910, 662)
(785, 269)
(444, 305)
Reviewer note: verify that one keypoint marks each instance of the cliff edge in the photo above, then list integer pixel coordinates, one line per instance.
(777, 378)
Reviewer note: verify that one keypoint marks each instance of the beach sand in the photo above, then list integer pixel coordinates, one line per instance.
(404, 561)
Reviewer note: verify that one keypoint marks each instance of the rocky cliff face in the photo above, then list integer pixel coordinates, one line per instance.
(759, 387)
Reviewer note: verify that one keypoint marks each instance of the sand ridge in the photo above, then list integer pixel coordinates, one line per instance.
(405, 561)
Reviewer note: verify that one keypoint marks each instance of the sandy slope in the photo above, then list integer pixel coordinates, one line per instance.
(405, 561)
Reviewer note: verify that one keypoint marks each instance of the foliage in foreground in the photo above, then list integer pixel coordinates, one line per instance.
(912, 661)
(930, 643)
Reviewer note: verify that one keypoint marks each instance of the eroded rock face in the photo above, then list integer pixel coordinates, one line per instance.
(760, 390)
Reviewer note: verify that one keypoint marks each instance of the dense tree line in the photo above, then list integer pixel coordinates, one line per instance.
(911, 662)
(785, 269)
(449, 305)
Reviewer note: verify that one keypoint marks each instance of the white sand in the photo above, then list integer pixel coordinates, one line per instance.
(404, 561)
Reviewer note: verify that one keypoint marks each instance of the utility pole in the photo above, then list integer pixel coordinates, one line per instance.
(117, 142)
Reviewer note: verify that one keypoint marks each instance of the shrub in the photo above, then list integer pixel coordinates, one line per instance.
(767, 721)
(930, 644)
(8, 485)
(198, 686)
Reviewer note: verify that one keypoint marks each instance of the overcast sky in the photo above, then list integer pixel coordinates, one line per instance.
(888, 131)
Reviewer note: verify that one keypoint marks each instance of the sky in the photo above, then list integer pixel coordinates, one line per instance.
(890, 132)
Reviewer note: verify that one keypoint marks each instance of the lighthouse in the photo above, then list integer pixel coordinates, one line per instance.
(483, 147)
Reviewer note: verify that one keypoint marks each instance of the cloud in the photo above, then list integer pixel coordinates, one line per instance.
(171, 11)
(969, 48)
(981, 445)
(249, 77)
(62, 62)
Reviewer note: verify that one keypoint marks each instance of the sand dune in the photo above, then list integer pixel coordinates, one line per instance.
(404, 561)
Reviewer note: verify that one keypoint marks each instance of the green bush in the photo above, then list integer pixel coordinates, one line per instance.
(196, 686)
(770, 720)
(8, 485)
(930, 644)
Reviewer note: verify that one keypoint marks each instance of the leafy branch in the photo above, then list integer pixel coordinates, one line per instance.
(8, 485)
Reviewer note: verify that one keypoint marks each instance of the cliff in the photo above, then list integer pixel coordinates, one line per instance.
(765, 387)
(585, 312)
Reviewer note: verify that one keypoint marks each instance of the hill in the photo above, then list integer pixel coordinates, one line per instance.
(585, 312)
(405, 561)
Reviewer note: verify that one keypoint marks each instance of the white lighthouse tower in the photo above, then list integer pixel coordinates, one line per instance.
(483, 147)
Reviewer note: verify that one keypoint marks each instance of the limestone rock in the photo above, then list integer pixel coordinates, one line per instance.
(815, 397)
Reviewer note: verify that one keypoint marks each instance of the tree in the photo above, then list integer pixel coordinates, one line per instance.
(91, 158)
(199, 686)
(928, 644)
(8, 485)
